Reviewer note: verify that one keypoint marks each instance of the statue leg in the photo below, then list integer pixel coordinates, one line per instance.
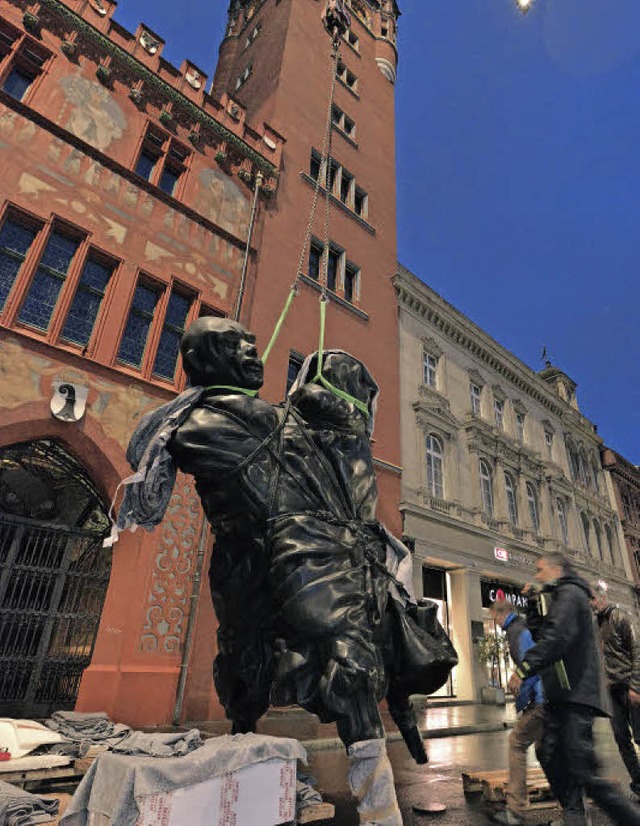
(404, 716)
(371, 782)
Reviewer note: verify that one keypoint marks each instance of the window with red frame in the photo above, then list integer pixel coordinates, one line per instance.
(162, 160)
(22, 61)
(63, 261)
(154, 306)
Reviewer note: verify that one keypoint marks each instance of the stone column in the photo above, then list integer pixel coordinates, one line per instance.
(465, 606)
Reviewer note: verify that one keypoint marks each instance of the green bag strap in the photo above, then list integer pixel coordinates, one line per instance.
(319, 378)
(293, 292)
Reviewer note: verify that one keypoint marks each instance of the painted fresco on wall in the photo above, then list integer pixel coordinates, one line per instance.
(59, 178)
(26, 378)
(222, 201)
(90, 112)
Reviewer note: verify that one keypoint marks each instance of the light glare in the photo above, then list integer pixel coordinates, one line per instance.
(524, 5)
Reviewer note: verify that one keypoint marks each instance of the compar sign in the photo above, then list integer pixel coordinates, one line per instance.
(501, 554)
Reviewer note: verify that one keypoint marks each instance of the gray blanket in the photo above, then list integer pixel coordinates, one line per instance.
(20, 808)
(115, 782)
(91, 727)
(159, 745)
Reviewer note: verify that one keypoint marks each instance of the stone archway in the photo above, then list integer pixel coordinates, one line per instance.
(54, 575)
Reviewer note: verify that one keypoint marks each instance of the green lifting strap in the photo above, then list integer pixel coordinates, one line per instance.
(324, 381)
(233, 389)
(276, 332)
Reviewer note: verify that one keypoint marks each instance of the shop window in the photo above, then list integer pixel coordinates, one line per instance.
(43, 293)
(534, 511)
(435, 467)
(87, 300)
(162, 161)
(16, 238)
(512, 498)
(486, 488)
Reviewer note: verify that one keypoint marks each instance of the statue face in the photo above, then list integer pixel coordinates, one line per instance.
(237, 348)
(217, 351)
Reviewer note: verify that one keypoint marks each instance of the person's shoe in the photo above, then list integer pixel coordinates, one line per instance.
(507, 818)
(635, 787)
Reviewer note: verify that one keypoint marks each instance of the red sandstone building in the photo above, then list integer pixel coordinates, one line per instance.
(626, 483)
(126, 199)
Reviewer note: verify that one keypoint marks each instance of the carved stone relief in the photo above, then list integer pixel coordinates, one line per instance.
(169, 596)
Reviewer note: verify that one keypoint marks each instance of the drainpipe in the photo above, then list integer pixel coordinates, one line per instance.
(245, 264)
(191, 623)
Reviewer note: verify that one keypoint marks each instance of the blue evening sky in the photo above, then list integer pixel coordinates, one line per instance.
(518, 174)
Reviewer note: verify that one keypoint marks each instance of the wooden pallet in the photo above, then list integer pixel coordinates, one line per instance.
(493, 786)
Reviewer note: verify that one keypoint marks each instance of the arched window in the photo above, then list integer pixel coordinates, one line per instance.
(562, 519)
(486, 488)
(595, 470)
(534, 515)
(435, 475)
(512, 498)
(597, 530)
(586, 530)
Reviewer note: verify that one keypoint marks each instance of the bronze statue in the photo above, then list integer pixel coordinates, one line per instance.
(312, 594)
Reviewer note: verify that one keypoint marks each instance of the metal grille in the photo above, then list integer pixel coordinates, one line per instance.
(52, 587)
(54, 576)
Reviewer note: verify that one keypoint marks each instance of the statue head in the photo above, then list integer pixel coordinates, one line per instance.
(217, 351)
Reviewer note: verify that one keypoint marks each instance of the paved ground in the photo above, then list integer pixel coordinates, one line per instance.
(440, 780)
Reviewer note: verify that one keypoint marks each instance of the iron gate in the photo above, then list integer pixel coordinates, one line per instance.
(53, 583)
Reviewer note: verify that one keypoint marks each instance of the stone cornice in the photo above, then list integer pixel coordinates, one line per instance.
(426, 305)
(129, 62)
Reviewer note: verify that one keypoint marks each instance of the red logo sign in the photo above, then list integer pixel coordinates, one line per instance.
(501, 554)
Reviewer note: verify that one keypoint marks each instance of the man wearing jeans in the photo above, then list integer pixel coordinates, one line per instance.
(530, 708)
(621, 649)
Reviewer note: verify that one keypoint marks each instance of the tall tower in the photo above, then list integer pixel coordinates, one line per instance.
(275, 59)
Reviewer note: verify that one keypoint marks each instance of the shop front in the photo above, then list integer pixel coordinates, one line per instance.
(496, 660)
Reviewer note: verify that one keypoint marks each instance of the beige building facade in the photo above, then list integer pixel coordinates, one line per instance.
(499, 466)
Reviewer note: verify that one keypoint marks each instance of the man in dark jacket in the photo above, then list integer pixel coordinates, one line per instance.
(567, 657)
(621, 649)
(530, 707)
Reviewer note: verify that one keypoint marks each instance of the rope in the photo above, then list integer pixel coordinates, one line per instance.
(324, 167)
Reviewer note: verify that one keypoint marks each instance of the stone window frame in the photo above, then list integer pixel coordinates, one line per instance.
(487, 499)
(511, 495)
(432, 484)
(562, 513)
(533, 502)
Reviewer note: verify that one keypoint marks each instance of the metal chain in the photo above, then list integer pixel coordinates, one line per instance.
(325, 162)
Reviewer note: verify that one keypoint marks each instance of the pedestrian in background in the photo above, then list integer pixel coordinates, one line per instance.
(568, 658)
(530, 708)
(621, 649)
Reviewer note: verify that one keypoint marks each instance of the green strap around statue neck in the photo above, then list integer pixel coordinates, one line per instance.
(232, 389)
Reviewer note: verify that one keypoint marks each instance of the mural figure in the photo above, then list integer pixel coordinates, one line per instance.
(222, 201)
(291, 495)
(95, 116)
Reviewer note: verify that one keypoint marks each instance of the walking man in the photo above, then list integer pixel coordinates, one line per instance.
(621, 649)
(529, 705)
(567, 657)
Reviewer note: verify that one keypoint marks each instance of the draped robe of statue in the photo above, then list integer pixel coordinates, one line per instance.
(300, 565)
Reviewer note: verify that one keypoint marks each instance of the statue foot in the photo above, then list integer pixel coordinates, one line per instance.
(371, 782)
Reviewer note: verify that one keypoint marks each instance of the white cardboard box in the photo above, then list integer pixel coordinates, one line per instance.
(263, 794)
